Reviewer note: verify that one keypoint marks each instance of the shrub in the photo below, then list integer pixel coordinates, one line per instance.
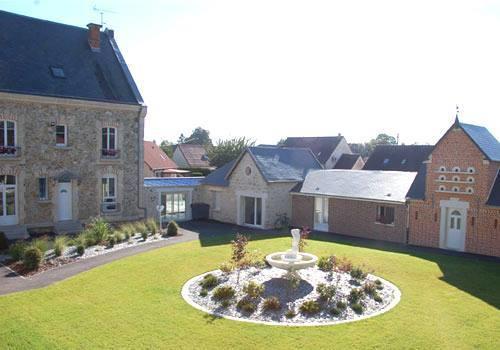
(100, 230)
(377, 298)
(344, 264)
(341, 305)
(378, 284)
(357, 308)
(225, 303)
(140, 227)
(326, 292)
(111, 241)
(326, 263)
(226, 267)
(355, 295)
(293, 280)
(119, 236)
(60, 244)
(144, 235)
(334, 311)
(42, 244)
(224, 292)
(128, 230)
(32, 258)
(290, 313)
(16, 250)
(203, 292)
(209, 281)
(370, 288)
(246, 305)
(358, 273)
(87, 238)
(80, 249)
(126, 235)
(172, 229)
(309, 307)
(271, 304)
(152, 226)
(4, 243)
(253, 289)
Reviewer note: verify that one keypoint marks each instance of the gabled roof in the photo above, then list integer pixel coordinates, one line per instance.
(155, 158)
(484, 140)
(31, 47)
(385, 186)
(322, 147)
(347, 161)
(218, 176)
(195, 155)
(398, 157)
(494, 198)
(281, 164)
(172, 181)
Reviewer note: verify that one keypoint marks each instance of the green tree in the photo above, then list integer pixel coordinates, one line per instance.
(167, 147)
(225, 151)
(199, 136)
(181, 139)
(384, 139)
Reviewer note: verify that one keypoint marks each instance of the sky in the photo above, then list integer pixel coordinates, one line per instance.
(270, 69)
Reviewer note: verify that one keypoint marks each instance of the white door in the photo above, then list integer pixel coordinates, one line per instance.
(455, 238)
(8, 200)
(64, 201)
(321, 214)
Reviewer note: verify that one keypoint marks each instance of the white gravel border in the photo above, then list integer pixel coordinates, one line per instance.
(187, 297)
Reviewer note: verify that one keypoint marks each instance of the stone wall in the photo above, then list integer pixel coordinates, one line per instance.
(40, 157)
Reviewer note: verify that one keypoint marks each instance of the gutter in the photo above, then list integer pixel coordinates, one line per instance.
(347, 198)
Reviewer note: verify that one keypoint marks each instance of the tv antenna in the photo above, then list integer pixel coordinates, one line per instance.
(102, 12)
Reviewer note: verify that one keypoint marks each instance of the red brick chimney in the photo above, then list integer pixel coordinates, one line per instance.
(94, 36)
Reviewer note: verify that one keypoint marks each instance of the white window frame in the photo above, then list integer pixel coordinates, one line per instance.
(5, 121)
(105, 195)
(46, 195)
(65, 136)
(108, 134)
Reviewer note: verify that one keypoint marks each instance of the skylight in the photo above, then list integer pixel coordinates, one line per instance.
(386, 161)
(57, 72)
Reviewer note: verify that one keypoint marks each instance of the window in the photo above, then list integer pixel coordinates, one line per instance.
(109, 138)
(442, 178)
(455, 220)
(442, 169)
(470, 190)
(61, 135)
(456, 169)
(386, 161)
(109, 189)
(456, 178)
(442, 188)
(385, 215)
(43, 193)
(216, 200)
(174, 205)
(471, 170)
(7, 199)
(7, 136)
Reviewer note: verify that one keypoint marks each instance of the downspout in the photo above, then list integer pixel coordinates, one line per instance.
(407, 240)
(140, 170)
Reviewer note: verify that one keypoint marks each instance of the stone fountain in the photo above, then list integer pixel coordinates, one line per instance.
(292, 260)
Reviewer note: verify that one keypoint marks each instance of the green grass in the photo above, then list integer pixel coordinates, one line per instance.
(447, 302)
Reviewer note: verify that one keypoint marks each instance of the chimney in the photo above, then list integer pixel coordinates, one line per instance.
(94, 36)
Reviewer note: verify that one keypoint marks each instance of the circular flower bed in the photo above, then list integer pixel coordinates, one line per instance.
(268, 295)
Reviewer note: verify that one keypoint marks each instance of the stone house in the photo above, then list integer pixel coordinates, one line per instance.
(71, 127)
(254, 189)
(456, 203)
(327, 149)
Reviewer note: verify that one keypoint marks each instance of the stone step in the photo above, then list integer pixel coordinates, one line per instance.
(14, 232)
(64, 227)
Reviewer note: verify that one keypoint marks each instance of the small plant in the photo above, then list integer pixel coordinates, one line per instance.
(271, 304)
(80, 249)
(309, 307)
(152, 226)
(355, 295)
(144, 235)
(203, 292)
(335, 311)
(100, 230)
(32, 258)
(326, 263)
(42, 244)
(246, 305)
(224, 292)
(357, 308)
(304, 236)
(370, 288)
(326, 292)
(377, 298)
(226, 267)
(225, 303)
(344, 264)
(111, 241)
(119, 236)
(209, 281)
(172, 229)
(4, 243)
(60, 244)
(290, 313)
(126, 235)
(253, 289)
(16, 250)
(341, 305)
(128, 230)
(140, 227)
(379, 285)
(239, 252)
(293, 280)
(358, 273)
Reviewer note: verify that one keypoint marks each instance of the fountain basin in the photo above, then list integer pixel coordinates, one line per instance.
(284, 261)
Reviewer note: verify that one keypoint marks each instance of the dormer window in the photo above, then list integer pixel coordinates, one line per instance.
(57, 72)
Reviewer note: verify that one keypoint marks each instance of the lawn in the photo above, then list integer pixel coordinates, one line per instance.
(447, 302)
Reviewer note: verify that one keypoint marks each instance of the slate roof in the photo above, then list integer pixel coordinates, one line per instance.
(486, 142)
(346, 161)
(172, 181)
(494, 198)
(30, 47)
(398, 157)
(284, 163)
(387, 186)
(195, 155)
(218, 176)
(322, 147)
(155, 158)
(417, 189)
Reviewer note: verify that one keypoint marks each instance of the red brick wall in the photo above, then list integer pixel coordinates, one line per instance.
(357, 218)
(456, 149)
(302, 211)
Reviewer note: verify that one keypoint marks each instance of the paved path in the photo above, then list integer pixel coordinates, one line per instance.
(11, 282)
